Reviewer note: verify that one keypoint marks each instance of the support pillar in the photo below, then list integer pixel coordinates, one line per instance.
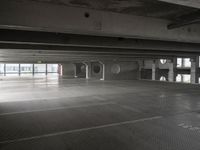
(103, 70)
(194, 70)
(4, 69)
(19, 69)
(46, 69)
(155, 70)
(75, 71)
(172, 70)
(88, 69)
(33, 67)
(141, 66)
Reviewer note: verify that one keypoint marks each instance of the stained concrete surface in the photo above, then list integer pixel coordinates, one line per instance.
(78, 114)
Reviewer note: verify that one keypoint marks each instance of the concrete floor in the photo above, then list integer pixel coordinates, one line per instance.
(52, 114)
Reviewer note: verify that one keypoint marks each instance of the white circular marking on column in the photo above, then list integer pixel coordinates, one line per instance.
(115, 69)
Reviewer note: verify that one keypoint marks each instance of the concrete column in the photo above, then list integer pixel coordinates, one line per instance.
(60, 70)
(19, 69)
(172, 70)
(75, 70)
(88, 69)
(141, 66)
(195, 70)
(4, 69)
(46, 69)
(155, 69)
(103, 70)
(33, 69)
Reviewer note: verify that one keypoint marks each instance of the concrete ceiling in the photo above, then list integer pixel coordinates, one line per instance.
(46, 30)
(149, 8)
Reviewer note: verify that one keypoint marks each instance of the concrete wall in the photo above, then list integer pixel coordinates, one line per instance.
(161, 70)
(146, 74)
(68, 70)
(148, 64)
(80, 70)
(121, 70)
(96, 75)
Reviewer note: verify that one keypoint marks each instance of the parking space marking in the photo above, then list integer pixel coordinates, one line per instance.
(80, 130)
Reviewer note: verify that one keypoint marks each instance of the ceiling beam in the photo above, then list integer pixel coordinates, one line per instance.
(27, 15)
(187, 3)
(13, 48)
(187, 19)
(68, 42)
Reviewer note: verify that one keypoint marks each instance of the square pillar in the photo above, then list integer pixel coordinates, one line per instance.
(172, 70)
(141, 66)
(60, 71)
(155, 69)
(75, 70)
(46, 69)
(4, 69)
(33, 69)
(106, 70)
(103, 72)
(88, 68)
(19, 69)
(194, 70)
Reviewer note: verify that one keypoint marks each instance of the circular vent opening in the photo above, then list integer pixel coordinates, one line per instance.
(115, 69)
(96, 69)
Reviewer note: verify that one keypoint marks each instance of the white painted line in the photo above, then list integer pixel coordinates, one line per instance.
(80, 130)
(55, 108)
